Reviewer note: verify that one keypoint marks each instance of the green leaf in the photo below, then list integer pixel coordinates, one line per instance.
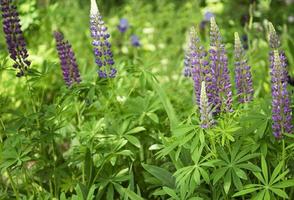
(227, 182)
(219, 173)
(164, 100)
(133, 140)
(90, 195)
(264, 169)
(276, 172)
(279, 192)
(88, 166)
(245, 191)
(110, 192)
(161, 174)
(171, 193)
(285, 184)
(132, 195)
(153, 117)
(136, 130)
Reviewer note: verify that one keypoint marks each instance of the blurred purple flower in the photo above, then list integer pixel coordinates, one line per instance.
(135, 41)
(243, 74)
(101, 44)
(14, 37)
(207, 16)
(67, 58)
(123, 25)
(221, 85)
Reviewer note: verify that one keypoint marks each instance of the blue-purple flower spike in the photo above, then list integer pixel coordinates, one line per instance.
(281, 111)
(243, 75)
(198, 65)
(14, 37)
(101, 44)
(221, 85)
(67, 58)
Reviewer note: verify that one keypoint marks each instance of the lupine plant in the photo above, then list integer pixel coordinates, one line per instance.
(224, 131)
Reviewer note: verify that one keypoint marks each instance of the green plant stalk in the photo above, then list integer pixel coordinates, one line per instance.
(15, 190)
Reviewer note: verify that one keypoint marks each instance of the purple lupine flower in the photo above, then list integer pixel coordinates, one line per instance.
(198, 64)
(243, 75)
(101, 44)
(123, 25)
(221, 85)
(207, 16)
(205, 108)
(135, 41)
(14, 37)
(190, 51)
(281, 111)
(206, 19)
(67, 58)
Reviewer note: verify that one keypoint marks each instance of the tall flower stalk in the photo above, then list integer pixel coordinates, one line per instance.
(243, 75)
(14, 37)
(205, 108)
(221, 85)
(102, 47)
(281, 111)
(67, 58)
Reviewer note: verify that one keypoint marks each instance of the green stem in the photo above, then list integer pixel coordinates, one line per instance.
(13, 185)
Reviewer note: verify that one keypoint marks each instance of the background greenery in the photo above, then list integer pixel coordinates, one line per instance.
(137, 136)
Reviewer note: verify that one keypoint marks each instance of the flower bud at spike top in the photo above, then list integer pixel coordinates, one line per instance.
(14, 37)
(221, 85)
(281, 111)
(243, 75)
(101, 45)
(67, 58)
(273, 37)
(205, 108)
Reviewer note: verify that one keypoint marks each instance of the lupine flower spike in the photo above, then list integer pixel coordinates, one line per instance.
(281, 111)
(205, 108)
(221, 85)
(198, 64)
(243, 75)
(101, 44)
(67, 58)
(14, 37)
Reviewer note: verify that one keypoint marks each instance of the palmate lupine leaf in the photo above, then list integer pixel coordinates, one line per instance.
(233, 165)
(269, 187)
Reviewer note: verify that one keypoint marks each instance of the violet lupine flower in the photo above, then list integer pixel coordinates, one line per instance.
(281, 111)
(67, 58)
(242, 72)
(135, 41)
(123, 25)
(14, 37)
(205, 108)
(102, 46)
(221, 85)
(198, 65)
(190, 51)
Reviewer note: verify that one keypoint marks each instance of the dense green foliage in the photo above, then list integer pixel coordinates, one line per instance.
(138, 136)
